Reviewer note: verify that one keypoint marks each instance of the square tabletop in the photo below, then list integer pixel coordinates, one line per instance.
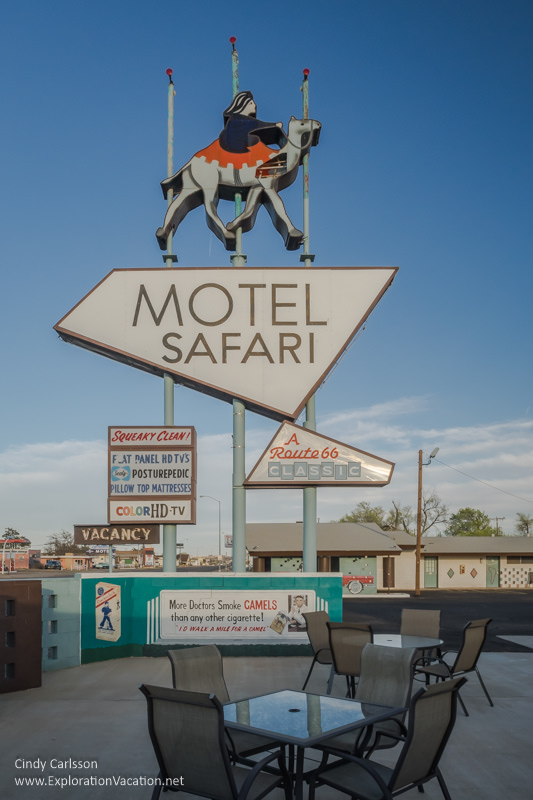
(301, 718)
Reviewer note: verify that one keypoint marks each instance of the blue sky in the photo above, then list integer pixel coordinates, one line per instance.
(424, 163)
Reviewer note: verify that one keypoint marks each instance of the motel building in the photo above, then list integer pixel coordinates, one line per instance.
(372, 560)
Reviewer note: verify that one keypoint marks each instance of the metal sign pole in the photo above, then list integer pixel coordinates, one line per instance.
(169, 531)
(309, 493)
(239, 422)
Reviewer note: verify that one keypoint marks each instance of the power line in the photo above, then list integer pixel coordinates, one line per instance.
(490, 485)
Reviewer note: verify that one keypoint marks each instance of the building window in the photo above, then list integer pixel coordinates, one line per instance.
(10, 607)
(52, 626)
(52, 653)
(9, 671)
(520, 559)
(10, 638)
(52, 600)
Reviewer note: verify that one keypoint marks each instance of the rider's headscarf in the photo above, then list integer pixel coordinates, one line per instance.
(239, 102)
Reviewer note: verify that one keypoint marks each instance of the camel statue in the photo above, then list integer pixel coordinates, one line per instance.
(258, 175)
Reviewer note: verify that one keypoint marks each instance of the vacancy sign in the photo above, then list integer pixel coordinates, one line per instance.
(152, 475)
(266, 336)
(297, 457)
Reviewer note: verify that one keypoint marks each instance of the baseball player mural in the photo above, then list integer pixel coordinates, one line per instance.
(254, 158)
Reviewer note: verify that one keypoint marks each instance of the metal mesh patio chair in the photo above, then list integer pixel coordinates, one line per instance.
(317, 631)
(432, 714)
(422, 622)
(465, 661)
(346, 642)
(201, 669)
(188, 737)
(386, 679)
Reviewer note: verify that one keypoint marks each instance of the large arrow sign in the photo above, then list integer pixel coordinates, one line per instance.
(266, 336)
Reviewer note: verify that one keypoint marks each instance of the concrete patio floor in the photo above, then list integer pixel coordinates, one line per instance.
(95, 712)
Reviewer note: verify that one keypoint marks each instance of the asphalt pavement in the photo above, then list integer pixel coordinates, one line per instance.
(511, 613)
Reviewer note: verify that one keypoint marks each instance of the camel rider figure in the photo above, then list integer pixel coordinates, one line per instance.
(242, 130)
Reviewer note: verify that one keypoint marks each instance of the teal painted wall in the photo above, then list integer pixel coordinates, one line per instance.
(61, 598)
(141, 599)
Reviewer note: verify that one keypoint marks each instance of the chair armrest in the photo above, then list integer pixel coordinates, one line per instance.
(426, 660)
(259, 765)
(361, 762)
(397, 737)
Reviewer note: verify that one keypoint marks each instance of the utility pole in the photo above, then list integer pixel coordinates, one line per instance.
(421, 464)
(496, 519)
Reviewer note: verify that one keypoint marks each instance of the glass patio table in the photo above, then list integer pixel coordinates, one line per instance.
(303, 720)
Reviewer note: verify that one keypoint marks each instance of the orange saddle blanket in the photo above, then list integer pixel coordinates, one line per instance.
(256, 153)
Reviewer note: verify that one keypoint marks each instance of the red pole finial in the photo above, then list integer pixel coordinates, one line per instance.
(306, 73)
(232, 40)
(169, 73)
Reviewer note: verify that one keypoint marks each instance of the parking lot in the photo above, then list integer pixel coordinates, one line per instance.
(511, 613)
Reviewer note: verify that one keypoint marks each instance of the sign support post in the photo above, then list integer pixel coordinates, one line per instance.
(309, 549)
(169, 531)
(239, 424)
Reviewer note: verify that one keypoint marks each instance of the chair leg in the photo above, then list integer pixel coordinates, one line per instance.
(330, 679)
(462, 704)
(157, 788)
(487, 695)
(309, 673)
(442, 784)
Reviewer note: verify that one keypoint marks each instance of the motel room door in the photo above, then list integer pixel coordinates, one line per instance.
(431, 572)
(493, 572)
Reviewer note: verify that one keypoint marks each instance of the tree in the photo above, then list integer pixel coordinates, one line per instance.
(364, 512)
(399, 517)
(524, 524)
(470, 522)
(434, 513)
(11, 533)
(63, 542)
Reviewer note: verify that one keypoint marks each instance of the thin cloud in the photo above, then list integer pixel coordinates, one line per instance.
(46, 487)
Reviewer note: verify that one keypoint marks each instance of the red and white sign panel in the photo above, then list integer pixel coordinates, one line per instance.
(267, 336)
(297, 457)
(152, 475)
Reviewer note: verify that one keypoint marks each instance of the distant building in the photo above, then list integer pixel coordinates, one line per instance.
(70, 561)
(15, 553)
(373, 560)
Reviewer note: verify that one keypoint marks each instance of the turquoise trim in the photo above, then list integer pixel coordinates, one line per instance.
(140, 592)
